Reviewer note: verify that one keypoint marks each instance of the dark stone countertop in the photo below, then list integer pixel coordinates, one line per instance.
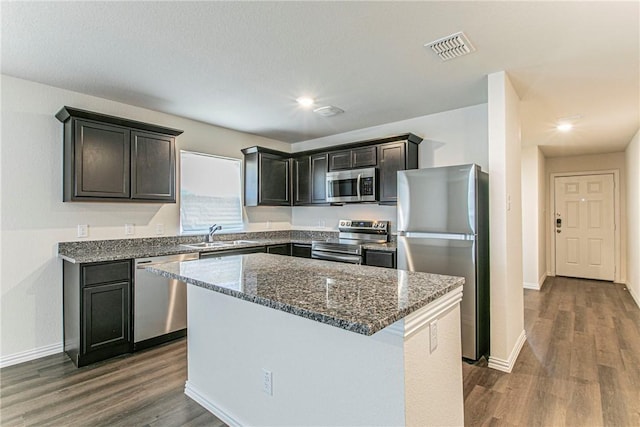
(86, 251)
(356, 298)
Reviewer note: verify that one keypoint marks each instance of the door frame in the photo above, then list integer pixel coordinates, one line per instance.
(616, 217)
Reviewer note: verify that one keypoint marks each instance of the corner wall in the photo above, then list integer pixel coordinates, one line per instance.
(534, 269)
(34, 218)
(505, 211)
(632, 162)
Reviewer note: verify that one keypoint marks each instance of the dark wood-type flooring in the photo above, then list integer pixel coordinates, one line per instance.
(580, 366)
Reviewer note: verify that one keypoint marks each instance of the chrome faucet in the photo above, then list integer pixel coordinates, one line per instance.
(212, 230)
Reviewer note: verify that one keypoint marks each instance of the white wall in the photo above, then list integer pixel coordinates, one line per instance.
(505, 208)
(533, 215)
(590, 163)
(451, 137)
(632, 157)
(34, 218)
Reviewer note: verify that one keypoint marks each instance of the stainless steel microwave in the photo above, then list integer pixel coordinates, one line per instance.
(353, 185)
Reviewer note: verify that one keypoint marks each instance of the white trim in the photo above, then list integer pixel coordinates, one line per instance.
(507, 365)
(223, 415)
(26, 356)
(422, 317)
(617, 249)
(635, 297)
(535, 286)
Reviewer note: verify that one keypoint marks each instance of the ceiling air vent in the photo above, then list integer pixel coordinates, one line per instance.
(328, 111)
(451, 47)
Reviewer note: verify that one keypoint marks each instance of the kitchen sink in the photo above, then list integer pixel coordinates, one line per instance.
(219, 244)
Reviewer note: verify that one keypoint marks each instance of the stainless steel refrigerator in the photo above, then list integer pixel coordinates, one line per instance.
(443, 228)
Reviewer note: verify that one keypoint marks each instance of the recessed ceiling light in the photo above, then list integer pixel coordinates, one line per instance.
(564, 127)
(565, 124)
(305, 101)
(328, 111)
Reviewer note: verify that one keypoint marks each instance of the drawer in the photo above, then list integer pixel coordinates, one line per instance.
(106, 272)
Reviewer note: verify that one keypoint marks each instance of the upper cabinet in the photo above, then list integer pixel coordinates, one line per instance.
(267, 179)
(309, 179)
(353, 159)
(274, 178)
(108, 158)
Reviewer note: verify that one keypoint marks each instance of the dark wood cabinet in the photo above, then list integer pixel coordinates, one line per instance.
(352, 159)
(301, 250)
(267, 177)
(279, 249)
(380, 258)
(309, 179)
(319, 178)
(274, 178)
(109, 158)
(153, 166)
(97, 310)
(302, 180)
(393, 158)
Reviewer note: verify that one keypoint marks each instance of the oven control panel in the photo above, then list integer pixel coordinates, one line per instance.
(371, 225)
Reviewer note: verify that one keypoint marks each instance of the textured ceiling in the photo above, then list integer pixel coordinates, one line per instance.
(241, 65)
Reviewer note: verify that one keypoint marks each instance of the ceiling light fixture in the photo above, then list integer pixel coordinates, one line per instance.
(565, 124)
(305, 101)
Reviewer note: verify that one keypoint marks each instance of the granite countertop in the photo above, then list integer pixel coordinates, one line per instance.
(111, 250)
(356, 298)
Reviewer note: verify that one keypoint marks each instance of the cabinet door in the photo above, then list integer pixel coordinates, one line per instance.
(274, 180)
(392, 160)
(380, 258)
(106, 314)
(364, 157)
(302, 180)
(153, 166)
(340, 160)
(319, 178)
(101, 165)
(301, 250)
(283, 249)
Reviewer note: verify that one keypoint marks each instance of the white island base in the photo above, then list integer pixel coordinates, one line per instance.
(322, 375)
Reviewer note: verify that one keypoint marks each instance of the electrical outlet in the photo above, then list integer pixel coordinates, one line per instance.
(159, 229)
(267, 382)
(129, 229)
(433, 335)
(83, 230)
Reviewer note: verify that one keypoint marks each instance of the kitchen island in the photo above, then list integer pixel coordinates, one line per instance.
(274, 340)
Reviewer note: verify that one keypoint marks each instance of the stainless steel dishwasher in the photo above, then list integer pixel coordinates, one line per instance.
(160, 304)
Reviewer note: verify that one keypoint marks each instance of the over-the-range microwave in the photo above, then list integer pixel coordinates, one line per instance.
(353, 185)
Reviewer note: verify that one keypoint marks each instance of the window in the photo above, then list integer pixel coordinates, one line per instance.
(210, 193)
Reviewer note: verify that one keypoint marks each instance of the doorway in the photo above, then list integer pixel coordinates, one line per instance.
(584, 226)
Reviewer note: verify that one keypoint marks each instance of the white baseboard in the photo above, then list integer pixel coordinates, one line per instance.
(25, 356)
(635, 297)
(223, 415)
(507, 365)
(535, 286)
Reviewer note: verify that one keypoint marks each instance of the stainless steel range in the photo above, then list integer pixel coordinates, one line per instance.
(348, 246)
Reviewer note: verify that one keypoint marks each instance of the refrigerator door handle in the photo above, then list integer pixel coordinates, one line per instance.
(446, 236)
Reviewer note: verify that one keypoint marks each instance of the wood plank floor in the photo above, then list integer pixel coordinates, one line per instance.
(579, 367)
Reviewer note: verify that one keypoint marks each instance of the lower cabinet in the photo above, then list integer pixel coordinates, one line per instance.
(97, 310)
(280, 249)
(380, 258)
(301, 250)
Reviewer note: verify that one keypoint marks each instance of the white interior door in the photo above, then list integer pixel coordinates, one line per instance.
(584, 225)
